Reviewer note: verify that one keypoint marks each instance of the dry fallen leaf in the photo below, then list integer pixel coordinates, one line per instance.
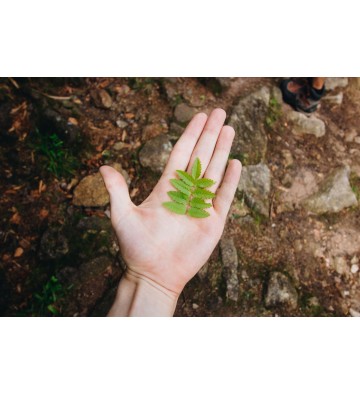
(43, 213)
(73, 121)
(6, 257)
(18, 252)
(42, 187)
(15, 219)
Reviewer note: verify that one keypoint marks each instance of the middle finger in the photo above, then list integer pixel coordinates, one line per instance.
(206, 144)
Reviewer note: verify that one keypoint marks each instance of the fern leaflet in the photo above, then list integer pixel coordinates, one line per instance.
(191, 193)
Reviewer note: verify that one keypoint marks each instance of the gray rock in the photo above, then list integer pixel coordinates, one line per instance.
(280, 292)
(93, 223)
(121, 124)
(154, 129)
(276, 94)
(301, 124)
(230, 266)
(175, 130)
(101, 98)
(119, 146)
(332, 83)
(94, 267)
(225, 82)
(302, 186)
(183, 113)
(53, 244)
(91, 191)
(334, 194)
(354, 313)
(334, 99)
(255, 184)
(155, 153)
(92, 282)
(248, 118)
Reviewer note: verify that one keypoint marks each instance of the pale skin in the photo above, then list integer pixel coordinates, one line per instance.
(164, 250)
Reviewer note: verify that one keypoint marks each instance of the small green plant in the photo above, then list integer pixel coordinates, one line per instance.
(191, 193)
(44, 303)
(274, 112)
(144, 84)
(60, 161)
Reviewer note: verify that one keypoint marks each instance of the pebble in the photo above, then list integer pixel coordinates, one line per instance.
(101, 98)
(230, 263)
(183, 113)
(281, 292)
(354, 269)
(121, 124)
(119, 146)
(340, 265)
(354, 313)
(156, 153)
(195, 306)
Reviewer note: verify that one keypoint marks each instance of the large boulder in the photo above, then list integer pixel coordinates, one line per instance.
(248, 119)
(334, 194)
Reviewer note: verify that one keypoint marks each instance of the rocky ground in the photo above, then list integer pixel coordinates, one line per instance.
(291, 245)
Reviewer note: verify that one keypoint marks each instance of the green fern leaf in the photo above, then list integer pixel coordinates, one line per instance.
(199, 203)
(181, 186)
(196, 169)
(198, 213)
(178, 197)
(203, 194)
(204, 183)
(175, 207)
(186, 177)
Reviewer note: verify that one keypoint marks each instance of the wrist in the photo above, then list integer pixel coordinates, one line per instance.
(140, 296)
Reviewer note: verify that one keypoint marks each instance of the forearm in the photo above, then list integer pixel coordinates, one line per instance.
(138, 296)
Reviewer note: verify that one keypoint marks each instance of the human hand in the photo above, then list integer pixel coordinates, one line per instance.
(163, 249)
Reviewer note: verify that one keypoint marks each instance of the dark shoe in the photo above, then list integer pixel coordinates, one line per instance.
(307, 102)
(302, 96)
(291, 88)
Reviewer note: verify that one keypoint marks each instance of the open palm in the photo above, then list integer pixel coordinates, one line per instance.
(162, 246)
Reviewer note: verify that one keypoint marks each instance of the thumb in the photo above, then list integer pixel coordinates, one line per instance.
(118, 190)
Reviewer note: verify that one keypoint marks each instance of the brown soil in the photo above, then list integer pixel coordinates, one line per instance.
(34, 199)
